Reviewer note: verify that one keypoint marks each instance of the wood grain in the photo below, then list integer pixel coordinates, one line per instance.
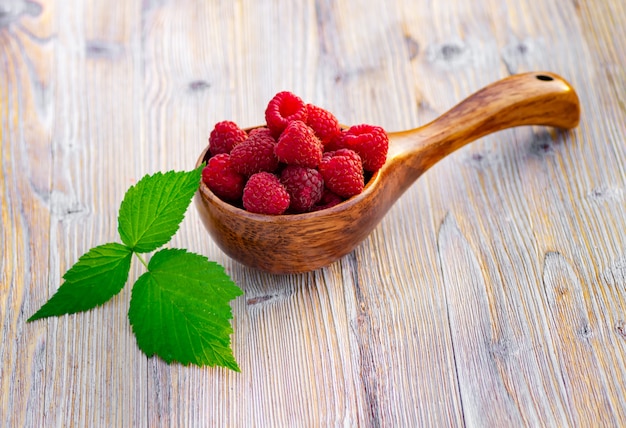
(492, 293)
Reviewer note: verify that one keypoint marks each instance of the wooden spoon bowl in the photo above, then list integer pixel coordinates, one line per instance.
(304, 242)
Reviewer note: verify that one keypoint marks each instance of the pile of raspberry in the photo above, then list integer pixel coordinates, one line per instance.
(301, 161)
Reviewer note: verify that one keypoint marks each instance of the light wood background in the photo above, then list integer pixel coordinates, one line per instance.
(492, 294)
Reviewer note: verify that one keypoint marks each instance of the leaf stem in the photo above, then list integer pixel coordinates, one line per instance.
(143, 262)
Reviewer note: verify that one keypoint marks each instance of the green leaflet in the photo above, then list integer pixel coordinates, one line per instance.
(153, 209)
(180, 311)
(98, 275)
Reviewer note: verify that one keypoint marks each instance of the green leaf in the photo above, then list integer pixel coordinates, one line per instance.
(153, 209)
(97, 276)
(180, 310)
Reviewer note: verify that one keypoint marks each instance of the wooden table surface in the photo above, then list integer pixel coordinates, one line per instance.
(492, 294)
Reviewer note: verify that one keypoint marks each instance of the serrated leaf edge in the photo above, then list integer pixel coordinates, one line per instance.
(227, 359)
(131, 197)
(42, 312)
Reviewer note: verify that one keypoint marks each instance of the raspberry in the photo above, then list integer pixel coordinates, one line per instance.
(224, 136)
(298, 145)
(304, 185)
(260, 130)
(323, 122)
(219, 176)
(329, 199)
(282, 109)
(254, 155)
(264, 194)
(335, 143)
(342, 172)
(371, 144)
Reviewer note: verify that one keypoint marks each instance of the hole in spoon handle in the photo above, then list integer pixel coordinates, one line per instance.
(523, 99)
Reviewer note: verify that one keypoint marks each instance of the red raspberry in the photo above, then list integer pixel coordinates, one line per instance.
(298, 145)
(304, 185)
(329, 199)
(282, 109)
(260, 130)
(264, 194)
(336, 143)
(371, 144)
(254, 155)
(323, 122)
(219, 176)
(342, 172)
(224, 136)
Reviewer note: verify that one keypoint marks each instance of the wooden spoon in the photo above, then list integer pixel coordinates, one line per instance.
(304, 242)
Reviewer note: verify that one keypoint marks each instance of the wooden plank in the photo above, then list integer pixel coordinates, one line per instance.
(97, 146)
(593, 393)
(480, 353)
(25, 126)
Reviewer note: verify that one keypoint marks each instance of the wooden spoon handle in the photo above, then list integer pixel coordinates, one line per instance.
(524, 99)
